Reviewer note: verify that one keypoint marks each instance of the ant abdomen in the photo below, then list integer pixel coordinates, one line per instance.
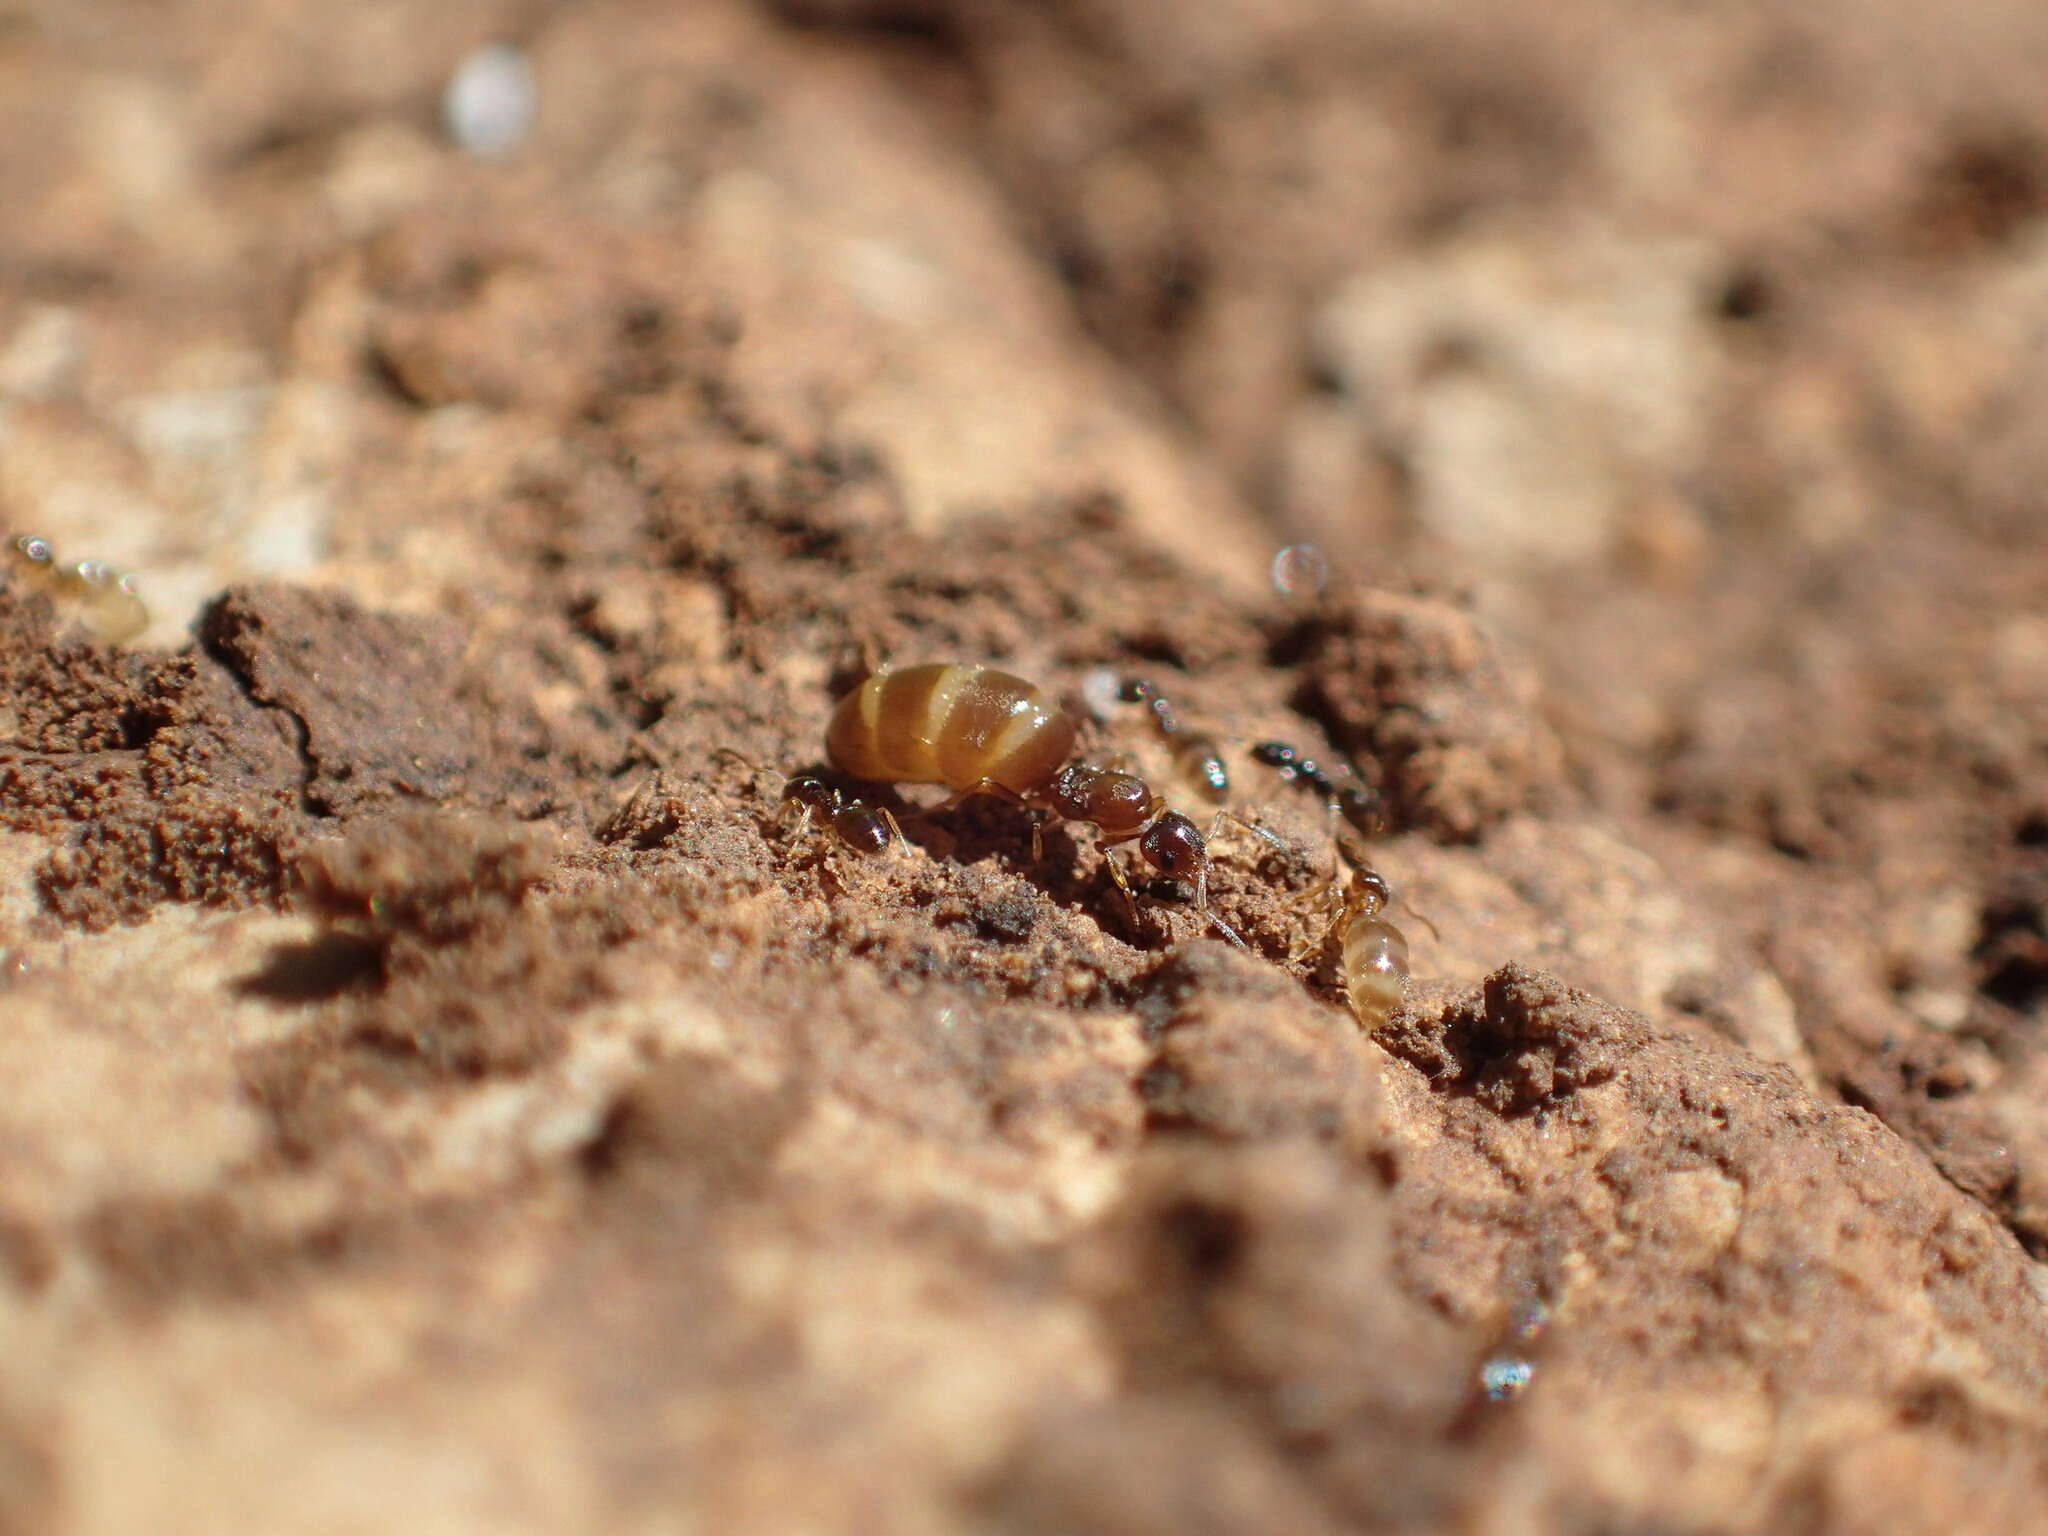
(1119, 803)
(864, 828)
(965, 727)
(1375, 969)
(1372, 954)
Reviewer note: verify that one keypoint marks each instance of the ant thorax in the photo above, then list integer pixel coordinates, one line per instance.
(1119, 803)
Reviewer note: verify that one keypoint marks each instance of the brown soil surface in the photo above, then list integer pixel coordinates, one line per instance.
(444, 1097)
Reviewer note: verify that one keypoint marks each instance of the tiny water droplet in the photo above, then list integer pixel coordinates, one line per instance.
(1101, 689)
(1505, 1376)
(1529, 1321)
(1300, 572)
(491, 101)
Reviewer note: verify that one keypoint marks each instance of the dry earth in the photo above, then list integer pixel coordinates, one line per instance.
(443, 1098)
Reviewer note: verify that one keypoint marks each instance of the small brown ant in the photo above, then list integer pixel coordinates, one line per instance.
(980, 731)
(862, 827)
(1196, 757)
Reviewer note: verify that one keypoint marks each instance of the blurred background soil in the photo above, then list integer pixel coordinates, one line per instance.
(442, 1098)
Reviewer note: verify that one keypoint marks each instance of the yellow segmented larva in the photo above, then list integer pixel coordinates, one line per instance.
(952, 724)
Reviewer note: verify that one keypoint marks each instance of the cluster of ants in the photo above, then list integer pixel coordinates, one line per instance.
(979, 731)
(89, 591)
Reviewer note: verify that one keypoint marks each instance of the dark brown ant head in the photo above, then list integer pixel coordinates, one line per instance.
(862, 828)
(810, 792)
(1369, 889)
(1173, 845)
(1119, 803)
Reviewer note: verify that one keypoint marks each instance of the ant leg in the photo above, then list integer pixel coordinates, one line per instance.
(1202, 905)
(866, 829)
(867, 654)
(1314, 895)
(1230, 933)
(984, 787)
(1123, 882)
(1325, 895)
(896, 837)
(1035, 815)
(1341, 847)
(744, 761)
(1410, 908)
(1009, 796)
(1307, 947)
(1264, 834)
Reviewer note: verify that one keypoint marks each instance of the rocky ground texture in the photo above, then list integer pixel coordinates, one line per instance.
(441, 1097)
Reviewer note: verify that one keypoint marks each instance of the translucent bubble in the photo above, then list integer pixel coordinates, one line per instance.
(89, 592)
(1100, 691)
(114, 611)
(1529, 1320)
(1505, 1376)
(491, 101)
(1300, 572)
